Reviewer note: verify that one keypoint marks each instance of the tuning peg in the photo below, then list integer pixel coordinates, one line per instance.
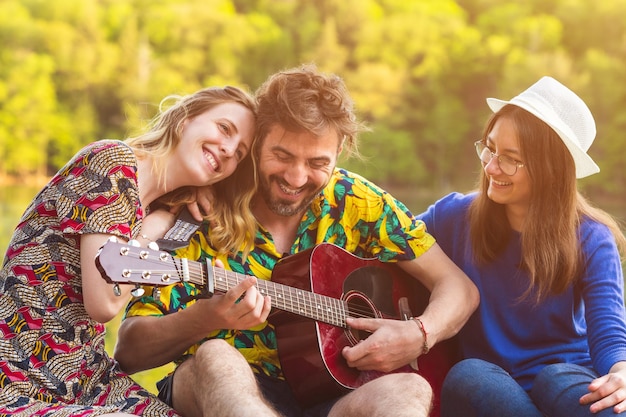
(156, 293)
(134, 243)
(113, 239)
(116, 290)
(137, 291)
(153, 246)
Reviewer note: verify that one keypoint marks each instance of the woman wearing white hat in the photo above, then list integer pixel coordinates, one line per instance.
(549, 337)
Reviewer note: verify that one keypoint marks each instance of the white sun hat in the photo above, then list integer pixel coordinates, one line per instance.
(563, 111)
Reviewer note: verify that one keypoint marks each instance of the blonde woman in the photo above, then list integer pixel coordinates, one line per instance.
(53, 299)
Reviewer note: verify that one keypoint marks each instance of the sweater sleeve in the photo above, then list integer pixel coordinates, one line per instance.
(603, 295)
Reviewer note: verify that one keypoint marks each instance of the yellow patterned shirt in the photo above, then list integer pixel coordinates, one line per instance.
(350, 212)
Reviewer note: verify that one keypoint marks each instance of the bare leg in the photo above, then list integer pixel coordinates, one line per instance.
(398, 395)
(217, 381)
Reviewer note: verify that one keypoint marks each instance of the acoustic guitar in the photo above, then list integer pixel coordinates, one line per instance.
(314, 292)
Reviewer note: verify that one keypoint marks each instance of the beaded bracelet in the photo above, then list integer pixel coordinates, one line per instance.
(425, 347)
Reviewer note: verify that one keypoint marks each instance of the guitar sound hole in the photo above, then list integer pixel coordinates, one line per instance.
(359, 306)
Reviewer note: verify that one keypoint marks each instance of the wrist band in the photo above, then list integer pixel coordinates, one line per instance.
(419, 323)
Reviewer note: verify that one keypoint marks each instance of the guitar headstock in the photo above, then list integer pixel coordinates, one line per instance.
(123, 263)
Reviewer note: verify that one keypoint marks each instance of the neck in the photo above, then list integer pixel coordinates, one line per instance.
(282, 228)
(149, 189)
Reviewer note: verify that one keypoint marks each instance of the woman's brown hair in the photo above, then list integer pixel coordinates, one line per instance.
(550, 234)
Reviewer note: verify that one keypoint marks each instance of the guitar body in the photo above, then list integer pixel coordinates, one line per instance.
(310, 351)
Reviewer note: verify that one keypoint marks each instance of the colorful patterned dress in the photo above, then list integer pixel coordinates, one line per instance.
(52, 356)
(350, 212)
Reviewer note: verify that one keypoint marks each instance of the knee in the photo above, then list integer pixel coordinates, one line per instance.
(556, 370)
(389, 394)
(409, 385)
(559, 387)
(217, 352)
(464, 372)
(472, 377)
(559, 376)
(414, 383)
(418, 391)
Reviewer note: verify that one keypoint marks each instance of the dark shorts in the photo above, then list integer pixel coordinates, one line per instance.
(276, 391)
(166, 390)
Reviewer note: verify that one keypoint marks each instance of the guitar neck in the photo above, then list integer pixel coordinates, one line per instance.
(128, 264)
(293, 300)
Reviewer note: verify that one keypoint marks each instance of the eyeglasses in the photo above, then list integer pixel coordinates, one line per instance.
(507, 164)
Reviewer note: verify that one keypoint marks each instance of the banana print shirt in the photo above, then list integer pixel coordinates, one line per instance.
(350, 212)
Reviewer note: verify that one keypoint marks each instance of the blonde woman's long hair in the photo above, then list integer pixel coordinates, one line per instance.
(551, 251)
(232, 222)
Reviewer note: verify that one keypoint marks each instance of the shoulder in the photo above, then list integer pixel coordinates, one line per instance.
(97, 192)
(456, 199)
(100, 156)
(345, 183)
(453, 204)
(342, 179)
(594, 233)
(105, 146)
(448, 216)
(110, 148)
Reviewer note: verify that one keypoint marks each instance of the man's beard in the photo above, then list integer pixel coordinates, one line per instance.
(283, 207)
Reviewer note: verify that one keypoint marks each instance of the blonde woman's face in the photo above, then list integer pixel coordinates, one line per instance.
(213, 143)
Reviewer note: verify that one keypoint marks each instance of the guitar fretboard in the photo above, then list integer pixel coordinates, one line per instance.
(294, 300)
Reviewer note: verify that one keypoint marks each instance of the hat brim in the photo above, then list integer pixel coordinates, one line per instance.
(585, 166)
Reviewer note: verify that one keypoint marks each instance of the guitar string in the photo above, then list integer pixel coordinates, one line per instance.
(310, 299)
(333, 314)
(313, 303)
(336, 313)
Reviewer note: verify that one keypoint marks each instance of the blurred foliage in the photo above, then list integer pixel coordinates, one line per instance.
(74, 71)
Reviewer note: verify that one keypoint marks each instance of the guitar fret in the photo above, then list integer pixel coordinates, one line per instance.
(334, 313)
(310, 304)
(323, 309)
(340, 309)
(329, 311)
(300, 302)
(341, 312)
(315, 307)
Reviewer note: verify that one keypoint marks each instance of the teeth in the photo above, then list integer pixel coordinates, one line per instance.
(286, 190)
(211, 160)
(500, 182)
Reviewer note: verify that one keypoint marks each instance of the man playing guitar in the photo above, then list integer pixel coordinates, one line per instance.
(303, 200)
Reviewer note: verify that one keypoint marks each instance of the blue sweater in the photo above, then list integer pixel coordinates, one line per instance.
(585, 325)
